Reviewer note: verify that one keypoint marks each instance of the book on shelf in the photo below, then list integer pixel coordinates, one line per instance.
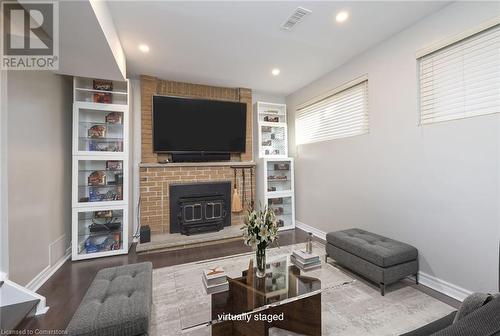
(305, 266)
(214, 276)
(305, 257)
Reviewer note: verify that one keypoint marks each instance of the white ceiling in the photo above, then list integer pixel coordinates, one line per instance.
(238, 43)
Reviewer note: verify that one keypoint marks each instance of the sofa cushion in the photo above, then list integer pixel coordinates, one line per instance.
(483, 321)
(374, 248)
(118, 302)
(471, 303)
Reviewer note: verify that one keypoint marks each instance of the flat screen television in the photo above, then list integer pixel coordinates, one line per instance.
(185, 125)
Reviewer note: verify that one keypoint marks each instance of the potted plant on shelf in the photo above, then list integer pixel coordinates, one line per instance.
(260, 231)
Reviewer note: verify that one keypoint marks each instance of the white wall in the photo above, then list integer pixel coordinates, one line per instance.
(4, 228)
(436, 186)
(39, 172)
(267, 97)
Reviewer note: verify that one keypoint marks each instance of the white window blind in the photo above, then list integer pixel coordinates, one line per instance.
(339, 115)
(462, 79)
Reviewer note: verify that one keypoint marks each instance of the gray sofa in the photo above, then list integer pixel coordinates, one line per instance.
(118, 303)
(482, 321)
(375, 257)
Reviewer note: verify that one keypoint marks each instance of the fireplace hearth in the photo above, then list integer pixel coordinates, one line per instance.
(199, 207)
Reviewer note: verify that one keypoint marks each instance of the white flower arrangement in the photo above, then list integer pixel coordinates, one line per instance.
(260, 229)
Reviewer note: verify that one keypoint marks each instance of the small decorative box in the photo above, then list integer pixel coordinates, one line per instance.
(97, 132)
(97, 178)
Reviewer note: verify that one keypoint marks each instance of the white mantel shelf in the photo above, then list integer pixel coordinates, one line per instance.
(197, 164)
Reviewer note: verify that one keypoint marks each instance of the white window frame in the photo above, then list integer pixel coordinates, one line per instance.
(328, 94)
(441, 45)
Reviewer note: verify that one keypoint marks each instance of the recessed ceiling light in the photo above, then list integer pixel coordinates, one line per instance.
(342, 16)
(275, 71)
(144, 48)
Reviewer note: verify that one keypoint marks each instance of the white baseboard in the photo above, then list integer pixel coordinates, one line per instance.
(47, 272)
(3, 276)
(316, 232)
(444, 287)
(425, 279)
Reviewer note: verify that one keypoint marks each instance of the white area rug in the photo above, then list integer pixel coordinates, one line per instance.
(179, 300)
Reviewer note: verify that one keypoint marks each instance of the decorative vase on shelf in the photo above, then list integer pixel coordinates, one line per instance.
(260, 231)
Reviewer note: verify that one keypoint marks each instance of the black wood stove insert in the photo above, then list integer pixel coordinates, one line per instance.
(199, 207)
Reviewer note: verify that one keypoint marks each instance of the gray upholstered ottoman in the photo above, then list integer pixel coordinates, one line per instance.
(118, 303)
(377, 258)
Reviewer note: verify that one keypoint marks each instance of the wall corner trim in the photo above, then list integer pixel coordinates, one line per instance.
(442, 286)
(105, 20)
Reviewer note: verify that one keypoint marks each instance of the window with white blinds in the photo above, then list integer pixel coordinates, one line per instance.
(462, 79)
(339, 115)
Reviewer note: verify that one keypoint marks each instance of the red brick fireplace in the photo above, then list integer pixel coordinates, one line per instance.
(156, 179)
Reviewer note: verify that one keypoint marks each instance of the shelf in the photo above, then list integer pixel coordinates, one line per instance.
(104, 170)
(283, 215)
(84, 252)
(100, 123)
(100, 107)
(83, 256)
(80, 204)
(197, 164)
(101, 186)
(102, 139)
(87, 218)
(85, 92)
(279, 193)
(103, 233)
(101, 91)
(272, 113)
(114, 139)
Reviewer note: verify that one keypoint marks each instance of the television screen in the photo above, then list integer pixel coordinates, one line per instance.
(198, 125)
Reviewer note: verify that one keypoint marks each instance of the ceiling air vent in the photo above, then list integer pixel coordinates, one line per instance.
(297, 16)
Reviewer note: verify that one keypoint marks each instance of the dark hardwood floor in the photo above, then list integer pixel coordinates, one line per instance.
(66, 288)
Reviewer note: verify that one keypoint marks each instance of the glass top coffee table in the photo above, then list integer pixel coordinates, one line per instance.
(287, 298)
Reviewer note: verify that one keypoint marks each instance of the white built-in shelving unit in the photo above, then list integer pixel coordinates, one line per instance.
(272, 132)
(100, 225)
(275, 188)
